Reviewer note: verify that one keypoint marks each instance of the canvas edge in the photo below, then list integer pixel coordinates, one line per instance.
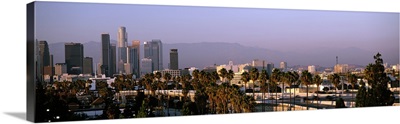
(30, 52)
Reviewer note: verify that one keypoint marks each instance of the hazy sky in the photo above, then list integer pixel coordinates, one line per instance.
(274, 29)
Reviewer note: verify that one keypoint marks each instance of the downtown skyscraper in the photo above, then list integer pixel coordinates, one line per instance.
(105, 55)
(122, 49)
(153, 51)
(134, 57)
(74, 57)
(173, 59)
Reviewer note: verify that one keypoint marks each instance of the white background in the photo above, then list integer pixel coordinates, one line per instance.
(13, 65)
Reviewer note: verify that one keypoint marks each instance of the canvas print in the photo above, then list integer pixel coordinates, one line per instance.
(93, 61)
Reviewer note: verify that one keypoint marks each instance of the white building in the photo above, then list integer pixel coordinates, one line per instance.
(173, 73)
(283, 66)
(311, 69)
(341, 68)
(396, 67)
(191, 69)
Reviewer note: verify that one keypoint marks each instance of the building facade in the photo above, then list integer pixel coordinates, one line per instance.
(134, 57)
(283, 66)
(173, 73)
(173, 59)
(60, 69)
(153, 51)
(113, 58)
(146, 66)
(105, 54)
(311, 69)
(74, 57)
(88, 65)
(122, 50)
(341, 68)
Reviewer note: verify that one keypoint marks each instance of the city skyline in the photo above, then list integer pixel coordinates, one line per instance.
(231, 60)
(273, 29)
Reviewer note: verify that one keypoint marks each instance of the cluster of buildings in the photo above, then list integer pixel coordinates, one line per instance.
(116, 59)
(124, 58)
(75, 62)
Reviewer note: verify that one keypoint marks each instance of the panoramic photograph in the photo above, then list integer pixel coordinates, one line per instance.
(96, 61)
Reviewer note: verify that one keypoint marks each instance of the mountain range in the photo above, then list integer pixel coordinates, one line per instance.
(205, 54)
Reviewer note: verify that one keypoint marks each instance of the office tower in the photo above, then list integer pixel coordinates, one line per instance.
(134, 58)
(146, 66)
(258, 63)
(311, 69)
(122, 53)
(341, 68)
(88, 65)
(74, 57)
(105, 54)
(269, 68)
(60, 68)
(44, 53)
(283, 66)
(113, 57)
(173, 59)
(153, 51)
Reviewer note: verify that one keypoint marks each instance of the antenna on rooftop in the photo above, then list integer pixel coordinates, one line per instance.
(337, 60)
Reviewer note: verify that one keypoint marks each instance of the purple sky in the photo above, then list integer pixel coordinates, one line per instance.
(281, 30)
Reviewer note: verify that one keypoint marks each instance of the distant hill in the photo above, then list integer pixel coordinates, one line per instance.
(206, 53)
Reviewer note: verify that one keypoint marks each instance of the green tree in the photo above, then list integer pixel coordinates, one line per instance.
(378, 94)
(263, 85)
(143, 111)
(306, 79)
(317, 80)
(230, 76)
(223, 73)
(352, 79)
(340, 103)
(245, 78)
(275, 78)
(254, 76)
(335, 80)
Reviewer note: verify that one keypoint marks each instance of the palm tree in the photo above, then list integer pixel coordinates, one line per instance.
(335, 80)
(254, 76)
(196, 74)
(263, 77)
(167, 77)
(306, 79)
(317, 80)
(285, 78)
(230, 76)
(275, 78)
(352, 78)
(295, 78)
(223, 73)
(290, 77)
(245, 78)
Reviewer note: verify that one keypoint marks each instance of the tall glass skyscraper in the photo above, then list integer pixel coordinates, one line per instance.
(153, 51)
(105, 55)
(113, 58)
(44, 53)
(74, 57)
(122, 50)
(173, 59)
(134, 57)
